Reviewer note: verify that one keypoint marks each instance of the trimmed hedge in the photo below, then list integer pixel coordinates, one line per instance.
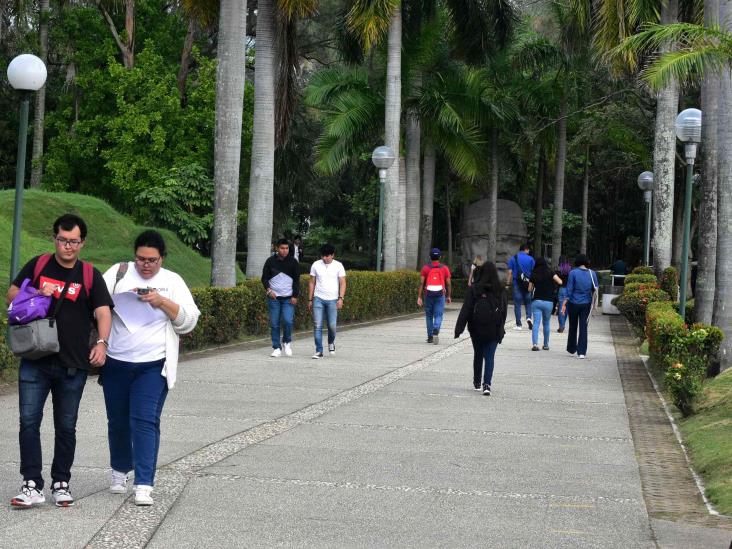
(669, 282)
(642, 270)
(634, 300)
(641, 278)
(682, 353)
(229, 313)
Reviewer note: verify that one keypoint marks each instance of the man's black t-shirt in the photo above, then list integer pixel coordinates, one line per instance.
(76, 314)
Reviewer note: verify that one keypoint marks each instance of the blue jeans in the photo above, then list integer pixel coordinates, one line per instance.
(483, 353)
(561, 298)
(36, 379)
(520, 298)
(578, 315)
(134, 394)
(542, 315)
(330, 309)
(434, 307)
(280, 311)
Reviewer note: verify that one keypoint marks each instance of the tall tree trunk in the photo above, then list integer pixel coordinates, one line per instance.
(261, 180)
(664, 158)
(723, 299)
(413, 184)
(707, 241)
(127, 45)
(227, 146)
(585, 199)
(185, 61)
(391, 131)
(539, 210)
(39, 113)
(448, 215)
(402, 231)
(493, 199)
(428, 202)
(678, 234)
(559, 181)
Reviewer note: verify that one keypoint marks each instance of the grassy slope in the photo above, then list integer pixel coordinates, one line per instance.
(708, 435)
(109, 241)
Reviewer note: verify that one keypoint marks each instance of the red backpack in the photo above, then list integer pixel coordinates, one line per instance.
(87, 271)
(435, 276)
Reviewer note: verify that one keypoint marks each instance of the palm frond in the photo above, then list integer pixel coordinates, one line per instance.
(369, 20)
(297, 9)
(689, 66)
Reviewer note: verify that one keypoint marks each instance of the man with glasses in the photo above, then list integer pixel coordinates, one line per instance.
(62, 374)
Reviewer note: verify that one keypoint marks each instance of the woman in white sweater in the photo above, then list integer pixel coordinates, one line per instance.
(153, 306)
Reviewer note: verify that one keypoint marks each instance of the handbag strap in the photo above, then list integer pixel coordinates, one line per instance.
(62, 297)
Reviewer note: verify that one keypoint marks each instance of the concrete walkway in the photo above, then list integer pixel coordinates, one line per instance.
(384, 445)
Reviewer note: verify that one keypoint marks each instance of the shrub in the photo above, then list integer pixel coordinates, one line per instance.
(7, 359)
(669, 282)
(459, 288)
(689, 317)
(642, 270)
(682, 353)
(634, 287)
(640, 278)
(633, 301)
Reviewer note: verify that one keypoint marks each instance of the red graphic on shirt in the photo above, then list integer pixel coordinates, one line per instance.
(72, 293)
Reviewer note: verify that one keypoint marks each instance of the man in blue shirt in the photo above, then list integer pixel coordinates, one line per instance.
(521, 264)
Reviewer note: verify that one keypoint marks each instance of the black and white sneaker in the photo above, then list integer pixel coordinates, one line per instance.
(29, 496)
(430, 339)
(530, 323)
(317, 356)
(61, 495)
(331, 348)
(486, 390)
(477, 386)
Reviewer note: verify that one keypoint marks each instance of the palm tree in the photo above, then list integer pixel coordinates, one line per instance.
(39, 114)
(227, 147)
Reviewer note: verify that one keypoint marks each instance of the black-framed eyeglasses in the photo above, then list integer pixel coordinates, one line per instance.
(63, 242)
(142, 261)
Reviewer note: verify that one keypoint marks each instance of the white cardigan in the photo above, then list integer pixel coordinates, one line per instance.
(188, 314)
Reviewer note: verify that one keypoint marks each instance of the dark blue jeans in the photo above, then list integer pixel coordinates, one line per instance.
(36, 379)
(520, 298)
(134, 394)
(561, 299)
(281, 311)
(329, 309)
(578, 315)
(483, 353)
(434, 307)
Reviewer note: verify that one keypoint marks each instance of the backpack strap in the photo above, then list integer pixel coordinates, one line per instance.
(87, 276)
(41, 263)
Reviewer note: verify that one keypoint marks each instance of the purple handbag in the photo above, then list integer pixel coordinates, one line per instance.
(28, 305)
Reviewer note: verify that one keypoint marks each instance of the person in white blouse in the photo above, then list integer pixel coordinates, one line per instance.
(327, 290)
(155, 307)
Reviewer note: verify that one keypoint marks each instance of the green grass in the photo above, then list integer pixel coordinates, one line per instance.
(109, 239)
(708, 435)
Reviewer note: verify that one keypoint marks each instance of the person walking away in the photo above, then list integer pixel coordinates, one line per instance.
(83, 297)
(437, 288)
(281, 281)
(142, 363)
(543, 284)
(484, 312)
(563, 273)
(477, 262)
(520, 267)
(581, 288)
(326, 292)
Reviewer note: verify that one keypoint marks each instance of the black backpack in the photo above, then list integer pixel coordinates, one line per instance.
(486, 311)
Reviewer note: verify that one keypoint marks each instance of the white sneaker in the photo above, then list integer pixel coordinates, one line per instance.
(142, 495)
(331, 348)
(317, 356)
(29, 496)
(517, 328)
(288, 349)
(582, 357)
(276, 353)
(61, 495)
(118, 482)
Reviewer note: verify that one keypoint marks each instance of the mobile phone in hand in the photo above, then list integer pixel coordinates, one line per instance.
(143, 291)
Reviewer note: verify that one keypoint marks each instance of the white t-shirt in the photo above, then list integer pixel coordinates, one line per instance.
(326, 278)
(148, 343)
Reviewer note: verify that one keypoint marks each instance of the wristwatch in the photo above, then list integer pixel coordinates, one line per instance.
(106, 343)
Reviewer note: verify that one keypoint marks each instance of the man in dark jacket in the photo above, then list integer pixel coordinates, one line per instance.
(281, 280)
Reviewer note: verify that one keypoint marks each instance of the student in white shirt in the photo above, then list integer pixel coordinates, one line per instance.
(141, 362)
(327, 289)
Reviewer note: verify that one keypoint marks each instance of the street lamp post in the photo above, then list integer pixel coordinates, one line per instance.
(645, 182)
(383, 158)
(26, 73)
(688, 130)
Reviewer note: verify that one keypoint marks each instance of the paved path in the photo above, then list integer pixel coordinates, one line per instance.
(384, 445)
